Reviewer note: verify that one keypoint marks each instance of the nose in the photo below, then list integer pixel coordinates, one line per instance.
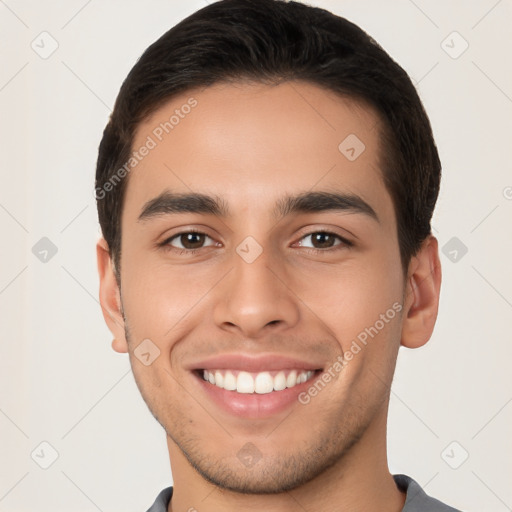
(255, 299)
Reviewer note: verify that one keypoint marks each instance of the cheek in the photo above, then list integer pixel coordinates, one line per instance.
(159, 299)
(351, 299)
(362, 311)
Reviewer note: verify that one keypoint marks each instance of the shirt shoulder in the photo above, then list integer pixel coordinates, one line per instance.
(416, 499)
(162, 501)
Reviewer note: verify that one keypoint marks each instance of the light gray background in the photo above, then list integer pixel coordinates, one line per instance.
(61, 382)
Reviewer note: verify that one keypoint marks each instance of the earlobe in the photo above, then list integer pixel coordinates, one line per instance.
(422, 295)
(110, 298)
(119, 346)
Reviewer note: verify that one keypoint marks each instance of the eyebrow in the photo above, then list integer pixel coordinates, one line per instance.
(323, 201)
(306, 202)
(169, 202)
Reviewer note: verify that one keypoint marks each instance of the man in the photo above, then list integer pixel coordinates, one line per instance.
(265, 187)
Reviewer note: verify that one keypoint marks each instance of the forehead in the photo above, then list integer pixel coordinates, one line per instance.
(250, 143)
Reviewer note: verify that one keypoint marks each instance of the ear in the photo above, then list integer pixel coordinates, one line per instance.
(422, 295)
(110, 297)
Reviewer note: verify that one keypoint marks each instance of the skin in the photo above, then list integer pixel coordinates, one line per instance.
(249, 145)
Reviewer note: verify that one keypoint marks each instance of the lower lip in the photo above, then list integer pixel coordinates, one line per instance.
(254, 405)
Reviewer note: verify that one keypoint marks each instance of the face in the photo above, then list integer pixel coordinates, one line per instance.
(278, 279)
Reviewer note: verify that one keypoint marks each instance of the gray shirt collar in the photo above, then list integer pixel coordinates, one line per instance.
(416, 498)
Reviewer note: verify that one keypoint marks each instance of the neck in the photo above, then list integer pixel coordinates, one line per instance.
(360, 481)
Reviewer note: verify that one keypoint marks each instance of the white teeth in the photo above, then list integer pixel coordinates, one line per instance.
(260, 383)
(219, 379)
(245, 383)
(263, 383)
(279, 382)
(291, 380)
(229, 382)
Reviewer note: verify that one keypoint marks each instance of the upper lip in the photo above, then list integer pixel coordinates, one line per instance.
(251, 363)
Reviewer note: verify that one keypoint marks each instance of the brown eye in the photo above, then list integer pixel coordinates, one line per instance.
(190, 240)
(321, 240)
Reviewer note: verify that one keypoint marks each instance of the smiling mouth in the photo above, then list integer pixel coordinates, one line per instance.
(256, 383)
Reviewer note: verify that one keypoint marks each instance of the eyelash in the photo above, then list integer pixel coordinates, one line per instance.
(344, 243)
